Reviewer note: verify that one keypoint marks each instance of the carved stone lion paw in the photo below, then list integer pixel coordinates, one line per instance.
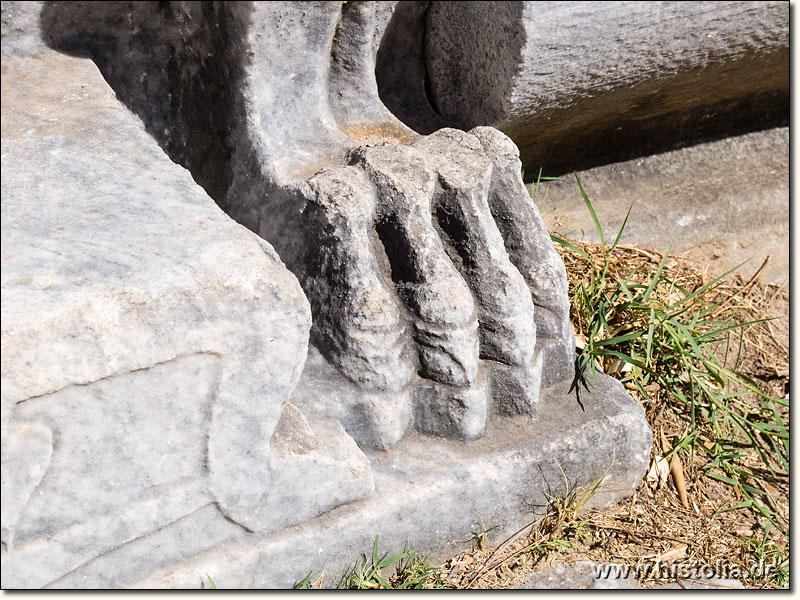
(432, 271)
(435, 289)
(437, 297)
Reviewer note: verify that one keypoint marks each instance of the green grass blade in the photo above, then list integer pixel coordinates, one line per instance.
(723, 479)
(776, 429)
(752, 490)
(624, 357)
(742, 504)
(597, 225)
(619, 339)
(649, 347)
(375, 559)
(701, 290)
(622, 227)
(571, 246)
(386, 562)
(657, 275)
(732, 327)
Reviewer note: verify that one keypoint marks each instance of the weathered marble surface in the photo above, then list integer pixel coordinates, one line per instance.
(430, 274)
(432, 491)
(580, 84)
(434, 398)
(149, 345)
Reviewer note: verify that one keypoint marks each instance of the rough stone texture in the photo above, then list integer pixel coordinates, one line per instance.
(434, 397)
(149, 346)
(577, 84)
(19, 25)
(725, 203)
(454, 294)
(404, 245)
(527, 241)
(584, 575)
(432, 491)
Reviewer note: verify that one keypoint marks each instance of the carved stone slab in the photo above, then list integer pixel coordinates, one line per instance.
(157, 408)
(149, 346)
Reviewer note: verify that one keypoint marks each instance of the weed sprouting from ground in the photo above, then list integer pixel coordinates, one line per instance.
(565, 522)
(771, 561)
(658, 335)
(412, 571)
(482, 537)
(677, 339)
(312, 581)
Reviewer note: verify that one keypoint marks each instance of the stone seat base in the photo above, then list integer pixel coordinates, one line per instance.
(432, 492)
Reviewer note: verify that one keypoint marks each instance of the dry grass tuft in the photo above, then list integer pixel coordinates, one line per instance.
(685, 514)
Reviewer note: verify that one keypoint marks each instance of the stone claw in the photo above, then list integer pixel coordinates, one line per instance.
(426, 265)
(356, 320)
(428, 257)
(528, 244)
(442, 308)
(505, 308)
